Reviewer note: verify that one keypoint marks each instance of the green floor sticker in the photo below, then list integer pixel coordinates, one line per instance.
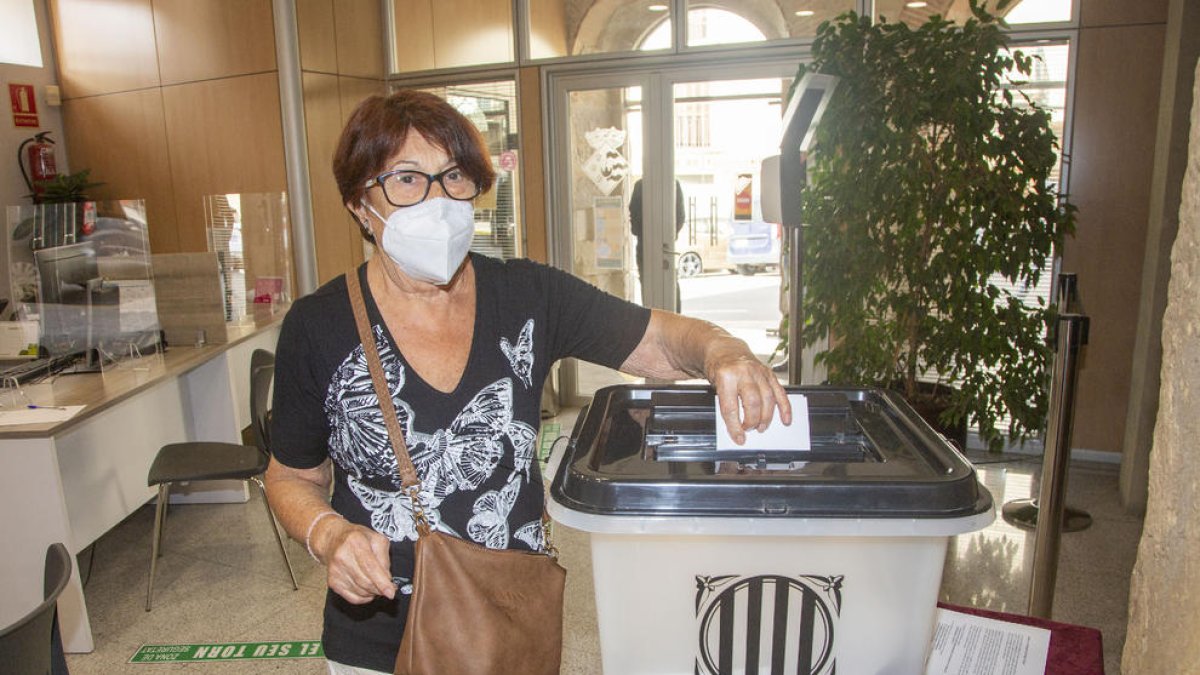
(228, 651)
(549, 435)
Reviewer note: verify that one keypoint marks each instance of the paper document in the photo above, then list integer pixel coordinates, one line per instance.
(965, 644)
(136, 312)
(39, 414)
(778, 436)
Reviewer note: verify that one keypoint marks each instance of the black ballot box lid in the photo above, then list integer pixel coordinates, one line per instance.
(651, 451)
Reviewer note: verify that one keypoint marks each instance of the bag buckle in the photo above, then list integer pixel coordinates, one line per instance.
(420, 519)
(548, 546)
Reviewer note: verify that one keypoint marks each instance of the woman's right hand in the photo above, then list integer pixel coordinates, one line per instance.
(356, 559)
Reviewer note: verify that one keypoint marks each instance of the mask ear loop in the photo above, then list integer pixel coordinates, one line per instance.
(385, 260)
(363, 223)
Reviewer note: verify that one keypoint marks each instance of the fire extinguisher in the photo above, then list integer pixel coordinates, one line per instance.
(40, 156)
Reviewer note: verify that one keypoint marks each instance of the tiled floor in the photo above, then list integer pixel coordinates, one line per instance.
(221, 579)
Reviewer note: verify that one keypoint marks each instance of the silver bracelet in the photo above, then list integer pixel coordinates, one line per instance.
(308, 534)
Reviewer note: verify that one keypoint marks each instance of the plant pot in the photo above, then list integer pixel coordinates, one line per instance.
(930, 402)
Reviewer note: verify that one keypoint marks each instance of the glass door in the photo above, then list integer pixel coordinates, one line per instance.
(597, 139)
(655, 196)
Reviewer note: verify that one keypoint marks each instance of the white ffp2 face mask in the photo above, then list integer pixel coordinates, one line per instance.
(428, 241)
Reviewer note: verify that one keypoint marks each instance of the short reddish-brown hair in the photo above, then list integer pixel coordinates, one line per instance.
(380, 125)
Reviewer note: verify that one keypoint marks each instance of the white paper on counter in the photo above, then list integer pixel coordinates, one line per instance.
(777, 436)
(966, 644)
(37, 415)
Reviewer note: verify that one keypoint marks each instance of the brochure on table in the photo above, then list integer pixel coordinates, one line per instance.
(965, 644)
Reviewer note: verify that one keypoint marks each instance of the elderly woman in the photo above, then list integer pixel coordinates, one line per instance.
(466, 342)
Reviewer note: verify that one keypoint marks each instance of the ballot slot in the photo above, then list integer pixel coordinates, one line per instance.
(681, 427)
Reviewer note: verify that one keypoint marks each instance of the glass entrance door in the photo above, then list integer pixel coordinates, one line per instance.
(655, 196)
(597, 138)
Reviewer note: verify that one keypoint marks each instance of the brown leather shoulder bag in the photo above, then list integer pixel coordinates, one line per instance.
(473, 610)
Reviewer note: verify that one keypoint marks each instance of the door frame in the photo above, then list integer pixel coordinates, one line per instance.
(657, 81)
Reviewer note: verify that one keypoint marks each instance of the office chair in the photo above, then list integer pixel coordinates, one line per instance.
(28, 647)
(202, 460)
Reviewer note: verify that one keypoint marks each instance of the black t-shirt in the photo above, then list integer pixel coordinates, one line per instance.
(474, 448)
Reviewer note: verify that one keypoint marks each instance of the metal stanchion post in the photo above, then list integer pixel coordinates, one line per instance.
(1051, 497)
(1023, 513)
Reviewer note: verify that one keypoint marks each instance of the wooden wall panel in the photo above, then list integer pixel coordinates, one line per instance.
(486, 38)
(354, 89)
(314, 22)
(122, 138)
(104, 47)
(1121, 12)
(359, 27)
(1116, 105)
(334, 232)
(547, 28)
(224, 136)
(414, 36)
(215, 38)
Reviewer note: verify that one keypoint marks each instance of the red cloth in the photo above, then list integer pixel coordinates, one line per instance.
(1074, 650)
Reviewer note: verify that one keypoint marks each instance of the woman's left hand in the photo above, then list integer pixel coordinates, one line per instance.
(748, 393)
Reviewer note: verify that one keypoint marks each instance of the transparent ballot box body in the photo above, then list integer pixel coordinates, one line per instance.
(715, 561)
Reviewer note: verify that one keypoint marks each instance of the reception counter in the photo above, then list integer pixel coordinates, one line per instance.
(72, 481)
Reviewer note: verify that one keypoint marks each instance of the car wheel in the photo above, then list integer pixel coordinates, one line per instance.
(689, 265)
(747, 270)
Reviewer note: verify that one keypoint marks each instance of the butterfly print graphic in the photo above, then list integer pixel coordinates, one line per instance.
(489, 525)
(532, 534)
(391, 512)
(459, 457)
(358, 441)
(524, 438)
(464, 455)
(520, 357)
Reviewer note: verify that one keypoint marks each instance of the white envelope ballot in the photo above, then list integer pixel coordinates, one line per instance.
(778, 436)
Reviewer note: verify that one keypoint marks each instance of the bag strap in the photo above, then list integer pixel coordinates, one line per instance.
(408, 473)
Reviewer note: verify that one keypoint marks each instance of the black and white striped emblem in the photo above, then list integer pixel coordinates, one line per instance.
(767, 624)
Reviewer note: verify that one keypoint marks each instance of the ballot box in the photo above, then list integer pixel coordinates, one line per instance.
(717, 561)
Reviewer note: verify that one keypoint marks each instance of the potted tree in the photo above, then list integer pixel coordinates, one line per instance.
(929, 199)
(65, 188)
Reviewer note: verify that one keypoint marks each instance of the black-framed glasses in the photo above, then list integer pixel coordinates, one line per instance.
(406, 187)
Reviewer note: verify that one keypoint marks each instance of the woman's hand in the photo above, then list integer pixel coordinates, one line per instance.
(677, 347)
(356, 559)
(744, 385)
